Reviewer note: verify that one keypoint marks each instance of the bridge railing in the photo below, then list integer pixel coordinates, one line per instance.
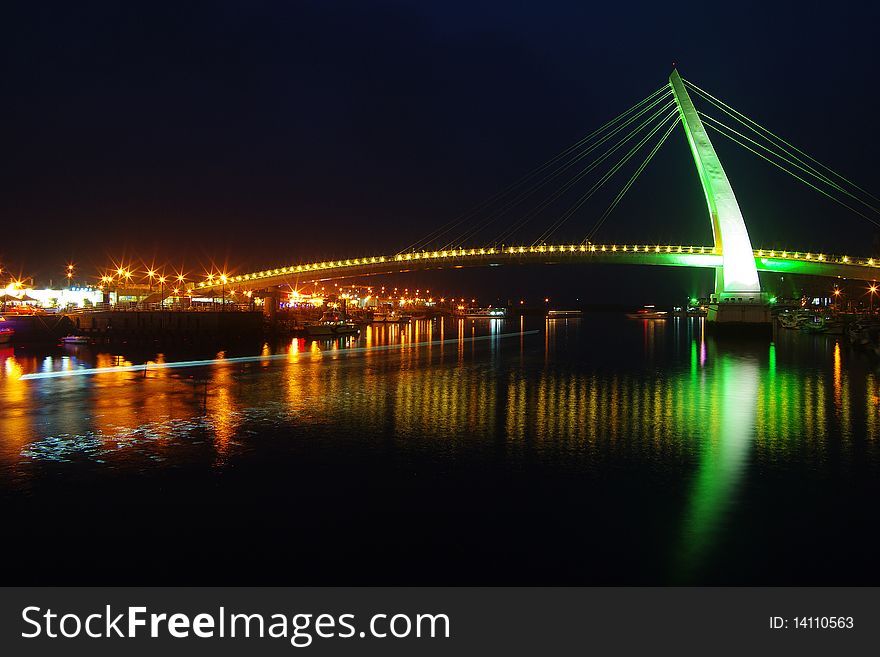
(451, 253)
(817, 257)
(516, 250)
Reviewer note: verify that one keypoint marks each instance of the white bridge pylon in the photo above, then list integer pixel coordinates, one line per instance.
(738, 275)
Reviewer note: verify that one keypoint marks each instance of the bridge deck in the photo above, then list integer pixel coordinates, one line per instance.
(795, 262)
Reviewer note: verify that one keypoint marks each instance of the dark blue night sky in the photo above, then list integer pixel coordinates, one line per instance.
(259, 133)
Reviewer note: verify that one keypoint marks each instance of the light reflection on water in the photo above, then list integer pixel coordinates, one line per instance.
(630, 405)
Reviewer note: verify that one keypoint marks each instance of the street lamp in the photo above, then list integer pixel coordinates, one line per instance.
(107, 280)
(181, 284)
(123, 276)
(151, 274)
(69, 275)
(223, 280)
(161, 291)
(872, 290)
(105, 288)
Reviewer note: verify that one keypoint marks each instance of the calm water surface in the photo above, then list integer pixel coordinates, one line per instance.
(600, 450)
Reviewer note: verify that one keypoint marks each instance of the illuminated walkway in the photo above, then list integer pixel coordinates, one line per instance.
(795, 262)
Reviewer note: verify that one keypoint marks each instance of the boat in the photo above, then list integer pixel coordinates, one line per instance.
(690, 311)
(563, 314)
(76, 339)
(864, 332)
(6, 332)
(389, 317)
(815, 325)
(331, 325)
(486, 313)
(795, 320)
(648, 312)
(835, 326)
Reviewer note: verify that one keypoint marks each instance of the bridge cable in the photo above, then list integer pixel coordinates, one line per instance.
(755, 126)
(620, 195)
(794, 163)
(583, 199)
(582, 173)
(510, 230)
(472, 230)
(567, 151)
(794, 175)
(675, 116)
(522, 196)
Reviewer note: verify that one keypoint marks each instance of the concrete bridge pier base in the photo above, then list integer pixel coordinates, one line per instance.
(740, 312)
(271, 304)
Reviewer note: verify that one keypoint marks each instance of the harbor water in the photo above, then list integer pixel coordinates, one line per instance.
(592, 450)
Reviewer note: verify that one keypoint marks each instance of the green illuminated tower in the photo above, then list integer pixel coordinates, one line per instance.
(738, 278)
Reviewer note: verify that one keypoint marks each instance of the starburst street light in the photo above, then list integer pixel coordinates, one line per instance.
(223, 279)
(872, 290)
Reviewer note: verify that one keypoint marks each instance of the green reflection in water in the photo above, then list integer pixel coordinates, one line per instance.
(723, 454)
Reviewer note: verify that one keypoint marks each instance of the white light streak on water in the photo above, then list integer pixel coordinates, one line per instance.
(253, 359)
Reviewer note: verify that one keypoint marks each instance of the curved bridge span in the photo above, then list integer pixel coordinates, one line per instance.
(708, 257)
(735, 263)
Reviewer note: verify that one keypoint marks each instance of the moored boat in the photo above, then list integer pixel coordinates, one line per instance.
(794, 320)
(560, 314)
(331, 325)
(815, 324)
(389, 317)
(76, 339)
(648, 312)
(486, 313)
(690, 311)
(6, 332)
(864, 332)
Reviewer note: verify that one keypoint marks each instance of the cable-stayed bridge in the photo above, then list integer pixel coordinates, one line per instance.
(545, 199)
